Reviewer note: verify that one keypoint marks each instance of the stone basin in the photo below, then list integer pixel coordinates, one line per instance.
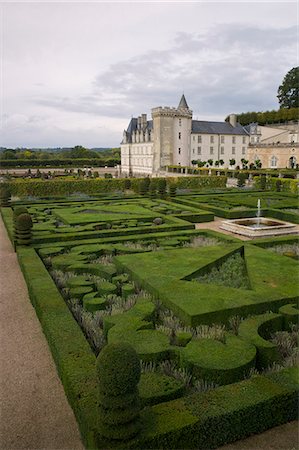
(259, 227)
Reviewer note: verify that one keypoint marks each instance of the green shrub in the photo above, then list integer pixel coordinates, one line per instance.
(19, 210)
(127, 289)
(162, 187)
(24, 222)
(22, 229)
(155, 387)
(241, 179)
(4, 196)
(118, 370)
(92, 302)
(290, 314)
(257, 330)
(79, 281)
(106, 288)
(80, 291)
(220, 363)
(223, 415)
(263, 182)
(172, 190)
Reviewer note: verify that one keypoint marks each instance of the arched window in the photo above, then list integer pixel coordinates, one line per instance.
(273, 161)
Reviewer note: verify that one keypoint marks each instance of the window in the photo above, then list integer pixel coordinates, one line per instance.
(180, 122)
(222, 139)
(244, 140)
(252, 139)
(180, 135)
(199, 150)
(243, 150)
(211, 150)
(179, 150)
(233, 150)
(257, 139)
(221, 150)
(193, 151)
(212, 139)
(199, 139)
(234, 139)
(273, 161)
(193, 138)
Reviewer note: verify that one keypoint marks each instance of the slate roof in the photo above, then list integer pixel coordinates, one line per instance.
(133, 125)
(202, 126)
(183, 103)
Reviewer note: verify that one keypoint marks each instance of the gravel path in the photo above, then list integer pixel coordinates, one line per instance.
(34, 410)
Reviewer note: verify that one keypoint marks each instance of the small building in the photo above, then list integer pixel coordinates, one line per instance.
(275, 147)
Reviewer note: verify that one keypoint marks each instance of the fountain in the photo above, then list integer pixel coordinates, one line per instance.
(259, 226)
(258, 214)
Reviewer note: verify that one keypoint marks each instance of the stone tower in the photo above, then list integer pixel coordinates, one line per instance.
(172, 135)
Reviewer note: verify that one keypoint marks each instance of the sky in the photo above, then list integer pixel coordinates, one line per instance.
(74, 73)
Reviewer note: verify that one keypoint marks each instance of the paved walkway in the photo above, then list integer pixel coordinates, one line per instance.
(34, 410)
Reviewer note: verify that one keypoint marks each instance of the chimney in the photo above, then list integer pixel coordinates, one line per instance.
(139, 122)
(233, 120)
(143, 120)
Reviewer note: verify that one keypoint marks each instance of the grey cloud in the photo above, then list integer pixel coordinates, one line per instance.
(229, 68)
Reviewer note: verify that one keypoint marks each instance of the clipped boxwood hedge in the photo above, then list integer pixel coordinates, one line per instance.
(259, 328)
(223, 415)
(156, 388)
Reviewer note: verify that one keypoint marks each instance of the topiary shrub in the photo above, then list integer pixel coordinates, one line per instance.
(172, 190)
(118, 370)
(22, 229)
(18, 211)
(162, 187)
(152, 190)
(4, 196)
(278, 185)
(263, 182)
(241, 179)
(127, 183)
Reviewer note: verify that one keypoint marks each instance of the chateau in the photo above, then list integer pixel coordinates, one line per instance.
(172, 137)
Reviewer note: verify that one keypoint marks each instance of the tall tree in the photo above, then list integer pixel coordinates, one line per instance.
(288, 91)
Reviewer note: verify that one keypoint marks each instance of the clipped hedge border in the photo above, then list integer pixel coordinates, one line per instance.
(287, 184)
(39, 188)
(223, 415)
(66, 341)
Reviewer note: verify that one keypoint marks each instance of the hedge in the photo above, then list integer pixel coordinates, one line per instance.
(223, 415)
(287, 184)
(166, 273)
(51, 163)
(218, 362)
(66, 341)
(40, 188)
(259, 328)
(156, 388)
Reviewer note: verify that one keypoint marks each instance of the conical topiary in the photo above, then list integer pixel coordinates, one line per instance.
(118, 369)
(23, 225)
(17, 211)
(4, 196)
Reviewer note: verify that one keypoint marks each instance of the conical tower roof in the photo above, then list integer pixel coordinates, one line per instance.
(183, 103)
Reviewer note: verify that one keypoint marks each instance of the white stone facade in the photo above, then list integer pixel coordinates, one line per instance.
(173, 138)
